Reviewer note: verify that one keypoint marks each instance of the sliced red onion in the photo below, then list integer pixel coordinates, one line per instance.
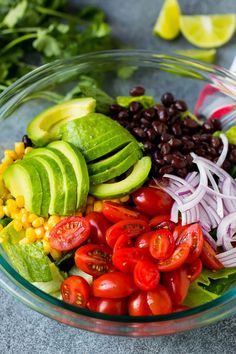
(227, 254)
(210, 239)
(223, 228)
(224, 152)
(225, 196)
(229, 264)
(211, 166)
(173, 196)
(220, 208)
(174, 215)
(226, 189)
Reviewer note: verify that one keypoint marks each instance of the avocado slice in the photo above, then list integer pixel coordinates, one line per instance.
(111, 161)
(91, 133)
(80, 169)
(69, 184)
(45, 127)
(22, 178)
(57, 196)
(132, 182)
(116, 169)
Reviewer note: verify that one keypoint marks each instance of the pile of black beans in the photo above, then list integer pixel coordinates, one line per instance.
(168, 137)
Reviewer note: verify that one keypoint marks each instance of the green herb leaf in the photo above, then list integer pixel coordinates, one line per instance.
(15, 14)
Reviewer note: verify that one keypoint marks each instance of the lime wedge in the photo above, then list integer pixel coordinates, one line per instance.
(207, 55)
(167, 24)
(208, 31)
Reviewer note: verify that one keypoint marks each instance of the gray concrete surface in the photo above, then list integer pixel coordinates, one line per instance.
(24, 331)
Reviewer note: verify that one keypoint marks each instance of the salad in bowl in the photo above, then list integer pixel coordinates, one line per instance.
(122, 205)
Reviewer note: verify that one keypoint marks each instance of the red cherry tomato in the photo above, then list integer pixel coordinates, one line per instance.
(162, 244)
(114, 285)
(179, 308)
(69, 233)
(129, 227)
(146, 275)
(125, 259)
(94, 259)
(137, 304)
(98, 225)
(109, 306)
(194, 269)
(123, 241)
(75, 291)
(116, 212)
(152, 201)
(143, 241)
(176, 260)
(208, 257)
(158, 220)
(177, 283)
(159, 300)
(178, 230)
(193, 236)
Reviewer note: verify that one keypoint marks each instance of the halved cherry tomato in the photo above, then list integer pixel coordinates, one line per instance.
(176, 260)
(69, 233)
(123, 241)
(178, 230)
(125, 259)
(162, 222)
(159, 300)
(94, 259)
(137, 304)
(208, 257)
(98, 225)
(152, 201)
(179, 308)
(114, 285)
(116, 212)
(109, 306)
(75, 291)
(162, 244)
(129, 227)
(143, 241)
(193, 236)
(194, 269)
(146, 275)
(177, 283)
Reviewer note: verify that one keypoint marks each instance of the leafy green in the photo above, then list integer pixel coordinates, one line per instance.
(51, 286)
(146, 101)
(39, 31)
(210, 285)
(230, 133)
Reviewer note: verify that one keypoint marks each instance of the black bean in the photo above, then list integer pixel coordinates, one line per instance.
(178, 162)
(226, 165)
(182, 172)
(205, 137)
(215, 142)
(212, 151)
(176, 129)
(167, 99)
(145, 122)
(188, 159)
(217, 124)
(166, 169)
(166, 137)
(134, 107)
(180, 105)
(208, 127)
(157, 155)
(149, 113)
(137, 116)
(148, 146)
(163, 115)
(200, 151)
(138, 132)
(27, 141)
(151, 134)
(172, 110)
(232, 156)
(159, 162)
(115, 108)
(123, 114)
(165, 149)
(137, 91)
(188, 145)
(196, 138)
(159, 127)
(168, 158)
(190, 123)
(175, 142)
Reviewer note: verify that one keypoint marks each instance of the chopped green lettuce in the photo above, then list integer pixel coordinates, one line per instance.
(210, 285)
(230, 133)
(52, 286)
(146, 101)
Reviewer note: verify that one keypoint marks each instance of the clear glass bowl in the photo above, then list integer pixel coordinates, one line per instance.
(117, 71)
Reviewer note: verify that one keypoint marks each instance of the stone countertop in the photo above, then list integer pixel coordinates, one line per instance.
(24, 331)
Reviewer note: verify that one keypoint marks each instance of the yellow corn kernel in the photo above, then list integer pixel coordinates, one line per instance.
(53, 220)
(89, 209)
(3, 167)
(38, 222)
(17, 225)
(11, 203)
(20, 201)
(47, 227)
(24, 220)
(46, 246)
(28, 149)
(39, 232)
(6, 210)
(20, 149)
(1, 212)
(46, 235)
(32, 217)
(1, 201)
(97, 206)
(7, 161)
(1, 227)
(90, 200)
(124, 199)
(30, 234)
(11, 153)
(55, 254)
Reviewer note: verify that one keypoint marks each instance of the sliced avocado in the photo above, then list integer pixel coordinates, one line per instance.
(22, 179)
(92, 132)
(43, 175)
(80, 169)
(105, 164)
(45, 127)
(68, 179)
(146, 101)
(57, 196)
(132, 182)
(116, 169)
